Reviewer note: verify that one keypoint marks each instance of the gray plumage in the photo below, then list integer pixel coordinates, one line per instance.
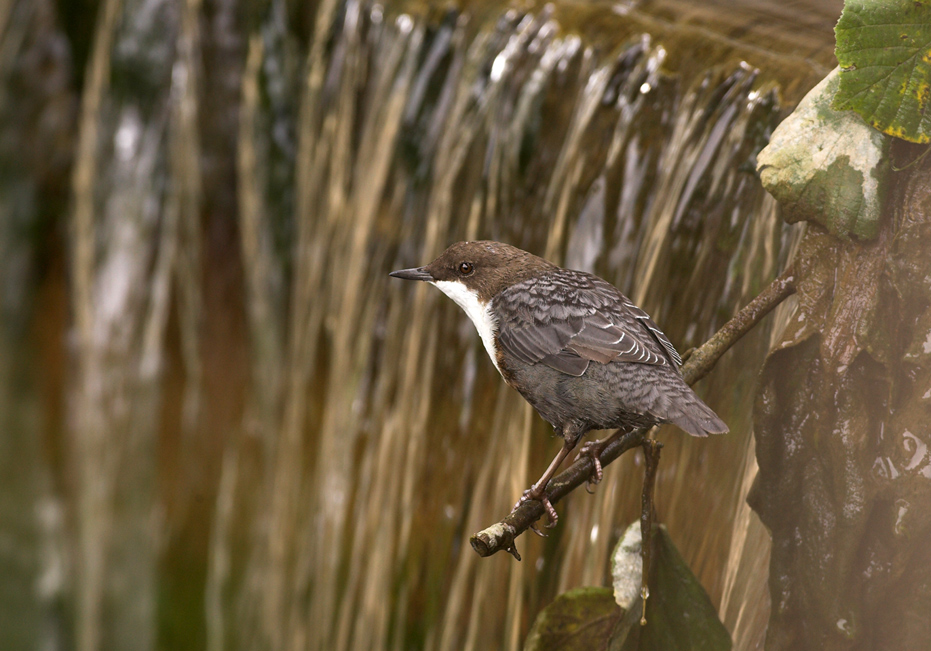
(577, 349)
(587, 358)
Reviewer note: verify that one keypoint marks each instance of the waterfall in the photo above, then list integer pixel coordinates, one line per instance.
(271, 444)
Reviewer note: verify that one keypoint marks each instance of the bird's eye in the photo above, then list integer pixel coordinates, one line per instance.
(466, 268)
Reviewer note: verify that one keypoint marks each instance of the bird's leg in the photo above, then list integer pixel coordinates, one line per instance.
(593, 450)
(538, 490)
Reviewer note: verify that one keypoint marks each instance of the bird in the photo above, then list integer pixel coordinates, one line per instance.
(579, 351)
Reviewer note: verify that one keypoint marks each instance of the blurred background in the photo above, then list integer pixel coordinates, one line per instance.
(223, 426)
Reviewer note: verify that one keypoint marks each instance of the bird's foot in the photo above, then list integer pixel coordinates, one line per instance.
(593, 450)
(535, 493)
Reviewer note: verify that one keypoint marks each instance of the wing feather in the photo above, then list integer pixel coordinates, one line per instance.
(657, 334)
(569, 319)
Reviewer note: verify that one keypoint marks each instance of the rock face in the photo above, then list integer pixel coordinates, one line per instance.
(827, 166)
(843, 438)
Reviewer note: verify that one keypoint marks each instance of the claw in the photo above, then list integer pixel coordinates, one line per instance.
(550, 512)
(533, 493)
(529, 494)
(592, 450)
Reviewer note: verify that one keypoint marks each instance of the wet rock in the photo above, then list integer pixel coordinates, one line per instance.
(827, 166)
(841, 421)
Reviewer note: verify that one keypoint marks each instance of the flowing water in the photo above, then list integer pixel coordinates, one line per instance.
(268, 442)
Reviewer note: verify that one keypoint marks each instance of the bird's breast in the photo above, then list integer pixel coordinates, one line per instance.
(479, 312)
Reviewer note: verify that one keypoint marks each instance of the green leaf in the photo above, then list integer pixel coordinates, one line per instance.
(680, 615)
(579, 620)
(884, 51)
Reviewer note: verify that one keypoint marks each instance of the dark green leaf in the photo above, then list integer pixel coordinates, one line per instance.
(680, 616)
(579, 620)
(884, 50)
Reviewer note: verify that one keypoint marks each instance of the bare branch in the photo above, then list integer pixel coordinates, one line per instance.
(651, 452)
(702, 360)
(501, 536)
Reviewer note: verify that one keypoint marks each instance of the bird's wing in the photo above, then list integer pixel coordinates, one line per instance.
(569, 319)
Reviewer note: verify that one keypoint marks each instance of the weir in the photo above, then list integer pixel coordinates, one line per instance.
(268, 443)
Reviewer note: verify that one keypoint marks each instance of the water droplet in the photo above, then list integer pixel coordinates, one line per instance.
(127, 137)
(498, 67)
(902, 511)
(405, 23)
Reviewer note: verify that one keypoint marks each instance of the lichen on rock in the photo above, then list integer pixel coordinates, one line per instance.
(827, 166)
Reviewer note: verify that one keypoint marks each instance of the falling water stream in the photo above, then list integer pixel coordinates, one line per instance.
(267, 442)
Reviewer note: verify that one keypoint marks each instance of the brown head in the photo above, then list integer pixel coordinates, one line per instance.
(482, 268)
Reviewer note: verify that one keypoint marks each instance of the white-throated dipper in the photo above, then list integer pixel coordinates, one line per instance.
(575, 347)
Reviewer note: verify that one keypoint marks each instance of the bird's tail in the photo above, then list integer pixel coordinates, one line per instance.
(698, 419)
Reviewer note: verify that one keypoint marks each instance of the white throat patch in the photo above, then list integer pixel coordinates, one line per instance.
(479, 312)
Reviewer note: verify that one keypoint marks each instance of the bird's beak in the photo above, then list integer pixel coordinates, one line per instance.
(412, 274)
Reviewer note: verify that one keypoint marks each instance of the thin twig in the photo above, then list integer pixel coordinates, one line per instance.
(700, 363)
(501, 536)
(651, 451)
